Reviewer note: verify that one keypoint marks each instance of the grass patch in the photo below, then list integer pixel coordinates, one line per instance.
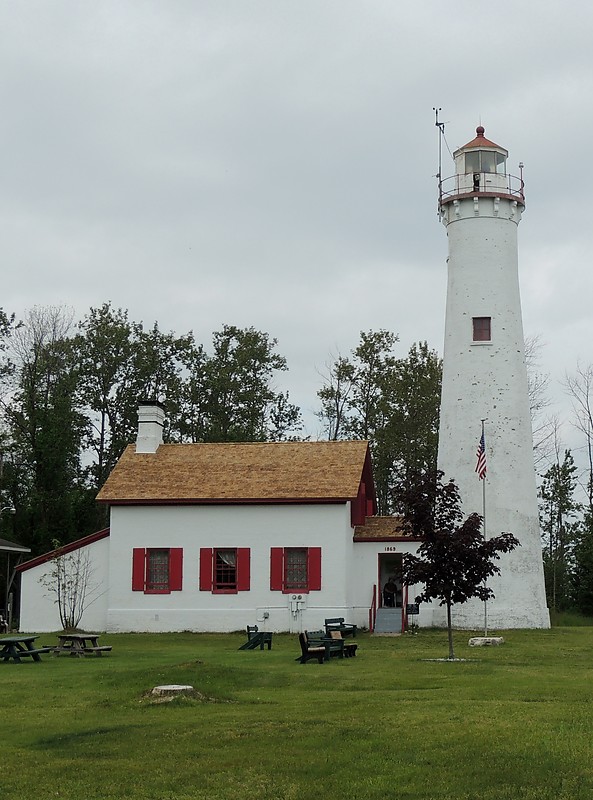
(509, 722)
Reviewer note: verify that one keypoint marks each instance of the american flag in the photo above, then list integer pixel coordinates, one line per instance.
(481, 464)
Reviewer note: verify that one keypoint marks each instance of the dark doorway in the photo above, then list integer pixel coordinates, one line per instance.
(390, 580)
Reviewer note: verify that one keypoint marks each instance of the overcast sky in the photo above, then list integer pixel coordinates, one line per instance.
(272, 163)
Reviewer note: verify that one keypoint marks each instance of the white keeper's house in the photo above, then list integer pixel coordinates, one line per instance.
(214, 537)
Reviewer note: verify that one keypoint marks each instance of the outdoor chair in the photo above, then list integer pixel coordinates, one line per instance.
(310, 650)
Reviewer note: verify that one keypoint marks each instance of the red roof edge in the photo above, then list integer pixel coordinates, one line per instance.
(61, 551)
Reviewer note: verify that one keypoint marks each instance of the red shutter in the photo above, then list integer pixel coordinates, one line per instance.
(276, 569)
(314, 569)
(138, 566)
(243, 569)
(175, 569)
(205, 569)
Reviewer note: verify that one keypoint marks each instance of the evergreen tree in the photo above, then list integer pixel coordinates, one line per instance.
(558, 510)
(582, 577)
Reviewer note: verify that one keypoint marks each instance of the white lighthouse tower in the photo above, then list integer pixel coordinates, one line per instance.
(485, 379)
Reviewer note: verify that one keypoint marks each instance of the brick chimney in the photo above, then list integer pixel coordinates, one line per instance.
(151, 418)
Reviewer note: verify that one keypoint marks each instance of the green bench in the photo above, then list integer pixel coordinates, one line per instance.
(350, 648)
(338, 624)
(315, 644)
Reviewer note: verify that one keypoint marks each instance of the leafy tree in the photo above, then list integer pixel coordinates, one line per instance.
(121, 364)
(240, 403)
(582, 575)
(45, 429)
(105, 355)
(557, 519)
(414, 422)
(7, 326)
(394, 403)
(454, 561)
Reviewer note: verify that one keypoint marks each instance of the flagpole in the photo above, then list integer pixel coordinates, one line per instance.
(484, 524)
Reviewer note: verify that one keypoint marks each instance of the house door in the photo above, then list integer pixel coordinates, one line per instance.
(390, 580)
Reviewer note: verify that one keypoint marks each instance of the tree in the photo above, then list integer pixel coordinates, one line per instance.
(453, 561)
(414, 422)
(70, 579)
(45, 429)
(121, 364)
(394, 403)
(582, 574)
(335, 397)
(580, 388)
(544, 428)
(557, 519)
(239, 402)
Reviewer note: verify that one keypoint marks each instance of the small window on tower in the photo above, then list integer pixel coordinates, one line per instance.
(482, 329)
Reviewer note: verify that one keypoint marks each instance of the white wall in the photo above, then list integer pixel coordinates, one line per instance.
(39, 612)
(257, 527)
(348, 571)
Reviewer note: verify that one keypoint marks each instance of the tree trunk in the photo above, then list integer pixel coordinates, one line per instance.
(450, 631)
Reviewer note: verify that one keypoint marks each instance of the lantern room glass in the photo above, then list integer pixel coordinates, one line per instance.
(485, 161)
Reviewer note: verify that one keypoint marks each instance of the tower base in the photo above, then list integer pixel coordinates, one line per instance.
(470, 616)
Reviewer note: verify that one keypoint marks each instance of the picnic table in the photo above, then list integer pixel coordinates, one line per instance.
(80, 644)
(18, 647)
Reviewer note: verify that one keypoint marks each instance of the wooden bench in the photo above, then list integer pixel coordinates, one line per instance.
(36, 652)
(105, 648)
(338, 624)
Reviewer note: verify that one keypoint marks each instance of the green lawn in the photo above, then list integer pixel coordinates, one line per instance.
(509, 723)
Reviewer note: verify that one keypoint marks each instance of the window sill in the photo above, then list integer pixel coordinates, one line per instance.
(481, 344)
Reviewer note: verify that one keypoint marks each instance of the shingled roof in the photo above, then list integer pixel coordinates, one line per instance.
(240, 473)
(378, 529)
